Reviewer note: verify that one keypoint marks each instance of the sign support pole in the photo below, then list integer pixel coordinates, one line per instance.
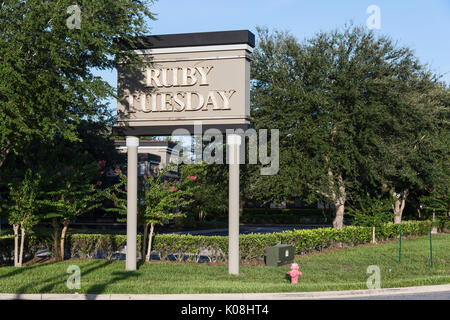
(234, 142)
(132, 150)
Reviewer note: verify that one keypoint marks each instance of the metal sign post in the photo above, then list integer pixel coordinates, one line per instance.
(234, 142)
(132, 146)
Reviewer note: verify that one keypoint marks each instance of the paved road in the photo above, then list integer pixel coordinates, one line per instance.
(411, 296)
(251, 229)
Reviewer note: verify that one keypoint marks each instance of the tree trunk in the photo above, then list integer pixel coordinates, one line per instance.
(399, 205)
(16, 244)
(22, 243)
(56, 252)
(144, 241)
(149, 249)
(338, 222)
(338, 199)
(63, 237)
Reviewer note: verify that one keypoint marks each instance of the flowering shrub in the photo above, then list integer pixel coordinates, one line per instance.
(161, 200)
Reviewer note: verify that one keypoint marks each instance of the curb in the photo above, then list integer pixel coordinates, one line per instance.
(234, 296)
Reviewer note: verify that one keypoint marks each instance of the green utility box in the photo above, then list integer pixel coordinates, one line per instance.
(279, 255)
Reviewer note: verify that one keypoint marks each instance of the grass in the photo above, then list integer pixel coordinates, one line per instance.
(338, 270)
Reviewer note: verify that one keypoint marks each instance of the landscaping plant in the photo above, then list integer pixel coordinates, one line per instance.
(354, 109)
(71, 194)
(22, 212)
(162, 199)
(437, 203)
(371, 212)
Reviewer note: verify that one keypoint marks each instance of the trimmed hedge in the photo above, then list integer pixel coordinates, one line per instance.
(97, 245)
(33, 242)
(252, 246)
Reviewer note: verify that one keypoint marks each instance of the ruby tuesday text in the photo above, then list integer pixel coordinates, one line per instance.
(178, 99)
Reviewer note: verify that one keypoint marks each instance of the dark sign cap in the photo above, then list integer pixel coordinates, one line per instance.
(193, 39)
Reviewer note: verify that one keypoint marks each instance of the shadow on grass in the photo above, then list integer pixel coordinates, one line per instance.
(19, 270)
(118, 276)
(97, 289)
(56, 280)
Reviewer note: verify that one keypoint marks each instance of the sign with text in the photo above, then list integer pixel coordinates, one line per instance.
(206, 77)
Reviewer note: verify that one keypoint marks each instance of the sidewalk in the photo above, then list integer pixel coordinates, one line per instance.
(236, 296)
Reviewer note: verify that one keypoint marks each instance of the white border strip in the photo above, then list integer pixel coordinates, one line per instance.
(186, 118)
(195, 49)
(200, 59)
(392, 292)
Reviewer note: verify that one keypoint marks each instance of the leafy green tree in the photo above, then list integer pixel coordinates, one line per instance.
(351, 108)
(117, 195)
(72, 197)
(47, 84)
(210, 190)
(371, 212)
(23, 211)
(437, 203)
(414, 151)
(159, 199)
(162, 200)
(73, 177)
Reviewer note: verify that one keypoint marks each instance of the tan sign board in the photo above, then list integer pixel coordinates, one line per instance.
(190, 79)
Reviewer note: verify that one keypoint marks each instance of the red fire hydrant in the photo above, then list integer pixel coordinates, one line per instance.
(294, 273)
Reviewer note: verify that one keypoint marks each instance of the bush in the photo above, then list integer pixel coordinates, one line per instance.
(6, 249)
(33, 243)
(189, 247)
(216, 247)
(98, 245)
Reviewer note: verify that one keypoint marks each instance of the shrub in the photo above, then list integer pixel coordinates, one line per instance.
(98, 245)
(189, 247)
(33, 243)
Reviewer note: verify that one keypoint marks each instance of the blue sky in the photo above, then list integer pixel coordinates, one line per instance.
(423, 25)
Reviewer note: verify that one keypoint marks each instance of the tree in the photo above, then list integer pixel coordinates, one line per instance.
(350, 107)
(371, 212)
(162, 200)
(414, 150)
(46, 64)
(117, 194)
(73, 177)
(159, 199)
(72, 197)
(437, 202)
(210, 191)
(22, 212)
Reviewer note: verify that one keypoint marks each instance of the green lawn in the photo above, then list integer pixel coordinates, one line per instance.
(339, 270)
